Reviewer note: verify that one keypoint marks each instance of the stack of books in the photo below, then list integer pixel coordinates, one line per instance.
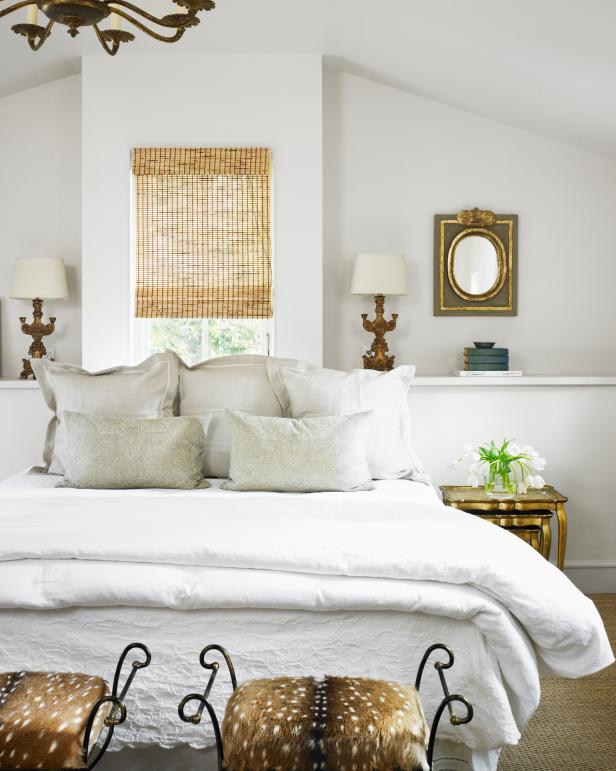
(486, 361)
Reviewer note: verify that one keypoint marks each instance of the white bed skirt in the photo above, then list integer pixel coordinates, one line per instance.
(382, 644)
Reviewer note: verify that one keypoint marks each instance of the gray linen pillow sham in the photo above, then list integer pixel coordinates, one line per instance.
(125, 453)
(146, 390)
(299, 456)
(245, 382)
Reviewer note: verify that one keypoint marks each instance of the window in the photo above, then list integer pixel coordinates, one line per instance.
(198, 339)
(202, 262)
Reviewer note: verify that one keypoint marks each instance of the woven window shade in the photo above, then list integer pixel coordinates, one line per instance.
(203, 233)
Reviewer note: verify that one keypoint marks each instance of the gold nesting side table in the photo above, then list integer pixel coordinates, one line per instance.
(528, 516)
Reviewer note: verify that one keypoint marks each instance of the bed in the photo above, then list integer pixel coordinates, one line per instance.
(346, 583)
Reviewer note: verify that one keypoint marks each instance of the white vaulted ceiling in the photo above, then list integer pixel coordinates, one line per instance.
(548, 66)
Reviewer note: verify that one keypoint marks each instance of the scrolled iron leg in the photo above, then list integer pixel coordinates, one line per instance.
(203, 699)
(455, 719)
(195, 719)
(215, 666)
(449, 699)
(439, 664)
(117, 713)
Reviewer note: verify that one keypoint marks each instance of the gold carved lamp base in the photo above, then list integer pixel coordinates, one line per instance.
(378, 357)
(37, 330)
(26, 372)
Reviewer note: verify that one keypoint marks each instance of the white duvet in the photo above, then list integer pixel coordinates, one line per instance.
(396, 548)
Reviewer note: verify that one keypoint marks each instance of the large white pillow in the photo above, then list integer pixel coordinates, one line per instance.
(146, 390)
(384, 394)
(241, 382)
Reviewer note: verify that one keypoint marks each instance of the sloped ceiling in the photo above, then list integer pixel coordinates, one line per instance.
(548, 66)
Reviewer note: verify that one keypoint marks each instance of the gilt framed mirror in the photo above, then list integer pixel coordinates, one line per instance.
(475, 263)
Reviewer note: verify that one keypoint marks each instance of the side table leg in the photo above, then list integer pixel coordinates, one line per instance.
(546, 538)
(533, 540)
(562, 534)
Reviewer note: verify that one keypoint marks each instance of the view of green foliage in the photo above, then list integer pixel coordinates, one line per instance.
(184, 336)
(198, 339)
(232, 336)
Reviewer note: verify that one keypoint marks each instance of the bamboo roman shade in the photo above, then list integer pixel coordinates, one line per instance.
(203, 231)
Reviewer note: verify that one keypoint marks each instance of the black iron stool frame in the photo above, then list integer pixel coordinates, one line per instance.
(117, 714)
(214, 667)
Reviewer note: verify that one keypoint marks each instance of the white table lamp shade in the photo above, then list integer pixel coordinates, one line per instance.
(379, 274)
(42, 277)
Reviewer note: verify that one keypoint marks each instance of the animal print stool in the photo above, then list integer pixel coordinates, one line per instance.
(53, 720)
(336, 723)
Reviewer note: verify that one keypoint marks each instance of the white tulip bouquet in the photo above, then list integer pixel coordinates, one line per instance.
(503, 470)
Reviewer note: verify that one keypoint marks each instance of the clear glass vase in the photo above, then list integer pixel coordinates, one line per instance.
(500, 484)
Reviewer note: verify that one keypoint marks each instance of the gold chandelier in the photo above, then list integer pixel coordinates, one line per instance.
(75, 14)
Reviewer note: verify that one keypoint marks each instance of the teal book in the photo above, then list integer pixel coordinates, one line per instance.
(483, 360)
(489, 352)
(486, 367)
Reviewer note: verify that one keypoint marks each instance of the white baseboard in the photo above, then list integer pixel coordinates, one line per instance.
(593, 576)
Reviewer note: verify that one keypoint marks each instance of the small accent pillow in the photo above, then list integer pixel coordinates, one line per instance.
(299, 456)
(146, 390)
(384, 394)
(239, 382)
(128, 453)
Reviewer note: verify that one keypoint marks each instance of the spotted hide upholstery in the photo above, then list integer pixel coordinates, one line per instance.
(43, 718)
(338, 723)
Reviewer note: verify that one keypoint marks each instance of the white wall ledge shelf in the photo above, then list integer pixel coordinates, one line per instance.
(13, 384)
(523, 380)
(424, 381)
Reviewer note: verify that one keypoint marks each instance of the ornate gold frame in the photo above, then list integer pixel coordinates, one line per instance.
(502, 264)
(449, 230)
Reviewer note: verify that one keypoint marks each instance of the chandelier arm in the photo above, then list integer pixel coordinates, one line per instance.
(16, 7)
(35, 46)
(145, 14)
(111, 50)
(174, 38)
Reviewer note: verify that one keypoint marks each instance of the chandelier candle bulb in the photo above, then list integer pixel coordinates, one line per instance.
(116, 21)
(32, 17)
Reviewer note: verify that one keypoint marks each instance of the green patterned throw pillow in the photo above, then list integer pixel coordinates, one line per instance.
(125, 453)
(302, 455)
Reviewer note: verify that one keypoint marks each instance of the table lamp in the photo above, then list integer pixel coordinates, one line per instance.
(37, 279)
(379, 275)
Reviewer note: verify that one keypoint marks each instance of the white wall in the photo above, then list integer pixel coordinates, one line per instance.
(40, 209)
(393, 160)
(167, 101)
(23, 426)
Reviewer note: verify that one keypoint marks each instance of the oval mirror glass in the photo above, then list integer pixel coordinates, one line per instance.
(475, 265)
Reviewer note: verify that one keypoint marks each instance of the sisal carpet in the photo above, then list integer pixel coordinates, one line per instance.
(574, 728)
